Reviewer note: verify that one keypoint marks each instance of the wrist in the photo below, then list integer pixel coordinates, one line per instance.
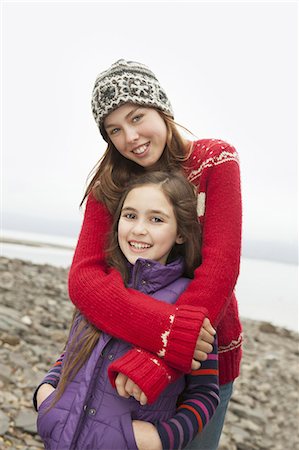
(43, 392)
(183, 336)
(146, 435)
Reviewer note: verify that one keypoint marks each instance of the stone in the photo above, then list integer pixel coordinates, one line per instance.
(26, 420)
(10, 339)
(266, 327)
(4, 423)
(5, 373)
(26, 320)
(250, 425)
(6, 280)
(243, 411)
(240, 436)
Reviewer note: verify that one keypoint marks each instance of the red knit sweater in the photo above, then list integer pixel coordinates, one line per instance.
(170, 331)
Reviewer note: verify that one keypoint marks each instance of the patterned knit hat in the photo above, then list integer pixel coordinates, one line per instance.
(126, 82)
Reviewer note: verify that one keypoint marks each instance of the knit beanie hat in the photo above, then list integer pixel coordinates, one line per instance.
(126, 82)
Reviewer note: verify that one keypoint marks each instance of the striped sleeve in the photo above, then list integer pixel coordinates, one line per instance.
(196, 405)
(52, 377)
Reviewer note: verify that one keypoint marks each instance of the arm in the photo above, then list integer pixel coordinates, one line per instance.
(151, 374)
(197, 405)
(51, 379)
(102, 298)
(216, 277)
(146, 435)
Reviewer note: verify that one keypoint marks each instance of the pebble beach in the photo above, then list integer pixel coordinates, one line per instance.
(35, 313)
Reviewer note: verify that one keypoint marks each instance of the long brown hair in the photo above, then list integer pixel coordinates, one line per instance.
(113, 171)
(182, 196)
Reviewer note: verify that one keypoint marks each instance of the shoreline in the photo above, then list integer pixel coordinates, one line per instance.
(266, 290)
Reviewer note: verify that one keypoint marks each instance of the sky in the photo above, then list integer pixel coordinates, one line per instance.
(229, 69)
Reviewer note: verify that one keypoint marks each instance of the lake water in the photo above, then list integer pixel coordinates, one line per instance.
(266, 290)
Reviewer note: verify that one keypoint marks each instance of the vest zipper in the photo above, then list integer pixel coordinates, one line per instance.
(135, 278)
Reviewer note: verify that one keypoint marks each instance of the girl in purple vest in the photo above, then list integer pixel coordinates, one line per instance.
(155, 247)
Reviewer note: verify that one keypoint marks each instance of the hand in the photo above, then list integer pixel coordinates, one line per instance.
(44, 391)
(146, 435)
(203, 344)
(126, 387)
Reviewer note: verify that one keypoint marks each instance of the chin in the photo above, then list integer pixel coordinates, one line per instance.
(132, 260)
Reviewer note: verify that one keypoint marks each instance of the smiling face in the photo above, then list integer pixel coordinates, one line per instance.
(138, 133)
(147, 227)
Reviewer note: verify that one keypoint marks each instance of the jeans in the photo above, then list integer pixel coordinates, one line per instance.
(210, 437)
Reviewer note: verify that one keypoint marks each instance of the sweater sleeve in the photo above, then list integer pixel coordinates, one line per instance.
(99, 293)
(150, 373)
(52, 377)
(197, 405)
(216, 277)
(170, 331)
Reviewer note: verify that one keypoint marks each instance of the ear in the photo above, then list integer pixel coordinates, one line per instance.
(179, 239)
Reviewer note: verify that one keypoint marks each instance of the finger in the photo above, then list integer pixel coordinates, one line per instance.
(206, 336)
(120, 383)
(208, 326)
(143, 399)
(203, 346)
(129, 386)
(136, 392)
(200, 356)
(195, 364)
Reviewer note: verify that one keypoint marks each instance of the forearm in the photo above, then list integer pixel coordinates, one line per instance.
(146, 435)
(150, 373)
(51, 378)
(102, 298)
(198, 404)
(216, 277)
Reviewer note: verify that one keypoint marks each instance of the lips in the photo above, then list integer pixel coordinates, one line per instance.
(139, 245)
(141, 149)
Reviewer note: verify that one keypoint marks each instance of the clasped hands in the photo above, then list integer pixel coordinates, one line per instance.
(127, 388)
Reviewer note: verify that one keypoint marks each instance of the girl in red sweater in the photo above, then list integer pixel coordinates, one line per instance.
(135, 118)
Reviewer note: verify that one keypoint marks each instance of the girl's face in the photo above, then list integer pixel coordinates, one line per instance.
(138, 133)
(147, 227)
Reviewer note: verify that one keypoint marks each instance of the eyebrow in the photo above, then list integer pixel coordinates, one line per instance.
(111, 125)
(150, 211)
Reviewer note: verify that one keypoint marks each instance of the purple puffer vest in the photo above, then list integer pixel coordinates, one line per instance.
(90, 415)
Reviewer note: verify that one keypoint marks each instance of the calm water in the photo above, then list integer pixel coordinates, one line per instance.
(265, 290)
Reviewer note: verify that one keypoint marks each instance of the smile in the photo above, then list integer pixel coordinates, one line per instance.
(139, 245)
(140, 150)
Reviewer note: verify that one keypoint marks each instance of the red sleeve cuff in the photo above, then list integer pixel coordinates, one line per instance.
(148, 371)
(185, 330)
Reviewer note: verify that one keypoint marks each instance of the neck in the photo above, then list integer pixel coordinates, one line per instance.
(188, 146)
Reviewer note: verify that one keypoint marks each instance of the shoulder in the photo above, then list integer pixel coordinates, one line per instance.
(178, 286)
(209, 153)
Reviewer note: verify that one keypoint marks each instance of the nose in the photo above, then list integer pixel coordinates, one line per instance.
(131, 134)
(139, 228)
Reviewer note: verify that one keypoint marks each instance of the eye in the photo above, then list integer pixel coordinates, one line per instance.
(129, 216)
(156, 219)
(137, 118)
(114, 131)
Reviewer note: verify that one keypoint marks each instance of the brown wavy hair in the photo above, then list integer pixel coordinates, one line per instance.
(182, 196)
